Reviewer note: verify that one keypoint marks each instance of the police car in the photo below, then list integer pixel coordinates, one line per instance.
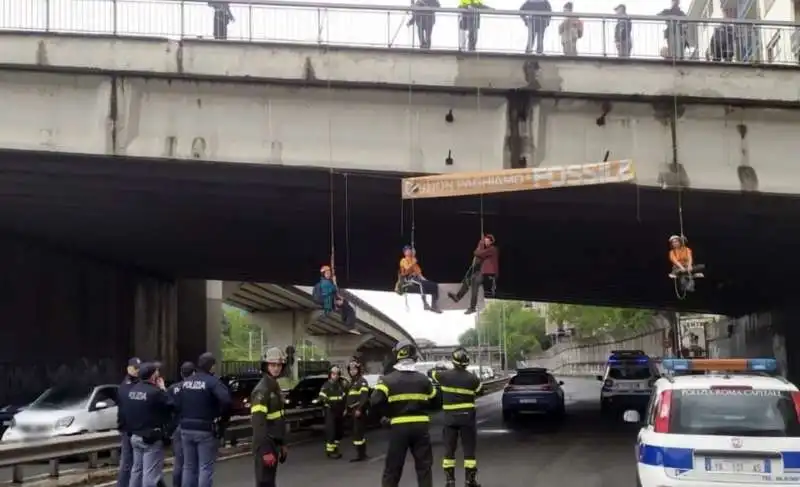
(628, 380)
(714, 422)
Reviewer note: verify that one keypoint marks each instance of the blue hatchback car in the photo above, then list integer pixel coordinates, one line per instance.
(533, 392)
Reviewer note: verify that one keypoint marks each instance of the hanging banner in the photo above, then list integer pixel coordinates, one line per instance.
(508, 180)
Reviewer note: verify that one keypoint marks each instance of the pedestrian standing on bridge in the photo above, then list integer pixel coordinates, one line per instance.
(424, 21)
(267, 417)
(149, 411)
(459, 389)
(203, 404)
(406, 397)
(357, 402)
(469, 23)
(187, 369)
(222, 18)
(332, 396)
(126, 452)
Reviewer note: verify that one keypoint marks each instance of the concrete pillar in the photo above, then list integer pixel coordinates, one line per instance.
(214, 315)
(155, 330)
(192, 321)
(341, 348)
(283, 328)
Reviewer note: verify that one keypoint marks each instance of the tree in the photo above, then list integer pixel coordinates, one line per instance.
(508, 323)
(237, 333)
(598, 320)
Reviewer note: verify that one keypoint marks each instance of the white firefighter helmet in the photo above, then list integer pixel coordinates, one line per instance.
(274, 355)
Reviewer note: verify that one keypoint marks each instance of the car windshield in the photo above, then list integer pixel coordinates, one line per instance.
(62, 397)
(630, 371)
(734, 412)
(529, 380)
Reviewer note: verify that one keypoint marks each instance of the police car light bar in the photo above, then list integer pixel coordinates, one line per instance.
(721, 365)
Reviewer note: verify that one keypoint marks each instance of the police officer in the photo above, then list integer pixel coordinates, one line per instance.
(332, 397)
(126, 452)
(406, 397)
(459, 389)
(269, 427)
(357, 402)
(148, 411)
(187, 369)
(203, 403)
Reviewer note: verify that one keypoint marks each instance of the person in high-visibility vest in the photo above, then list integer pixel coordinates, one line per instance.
(469, 23)
(406, 397)
(459, 390)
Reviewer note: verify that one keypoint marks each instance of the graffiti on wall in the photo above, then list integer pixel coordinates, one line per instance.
(21, 383)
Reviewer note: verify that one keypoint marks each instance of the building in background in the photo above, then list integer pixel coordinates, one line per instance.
(491, 356)
(751, 43)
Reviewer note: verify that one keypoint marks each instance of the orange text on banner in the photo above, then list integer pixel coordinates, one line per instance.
(466, 184)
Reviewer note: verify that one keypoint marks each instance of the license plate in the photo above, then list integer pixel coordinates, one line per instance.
(527, 401)
(726, 465)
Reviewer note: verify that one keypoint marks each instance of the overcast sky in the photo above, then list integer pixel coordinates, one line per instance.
(165, 18)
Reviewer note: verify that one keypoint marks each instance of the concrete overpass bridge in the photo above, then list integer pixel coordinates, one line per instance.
(219, 138)
(289, 315)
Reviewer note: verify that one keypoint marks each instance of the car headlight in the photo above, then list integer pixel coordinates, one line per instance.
(65, 422)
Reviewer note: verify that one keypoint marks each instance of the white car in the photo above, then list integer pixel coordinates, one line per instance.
(732, 426)
(627, 382)
(61, 411)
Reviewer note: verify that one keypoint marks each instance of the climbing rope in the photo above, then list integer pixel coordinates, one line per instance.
(678, 36)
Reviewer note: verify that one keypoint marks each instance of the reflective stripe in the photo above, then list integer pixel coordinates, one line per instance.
(470, 463)
(458, 390)
(463, 405)
(409, 397)
(275, 415)
(383, 389)
(359, 442)
(258, 408)
(335, 398)
(480, 386)
(322, 394)
(432, 394)
(354, 392)
(448, 463)
(410, 419)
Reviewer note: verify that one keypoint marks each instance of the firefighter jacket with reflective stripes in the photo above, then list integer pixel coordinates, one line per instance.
(404, 396)
(266, 408)
(333, 393)
(358, 394)
(459, 389)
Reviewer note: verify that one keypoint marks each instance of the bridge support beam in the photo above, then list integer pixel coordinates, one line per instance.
(284, 328)
(199, 321)
(341, 348)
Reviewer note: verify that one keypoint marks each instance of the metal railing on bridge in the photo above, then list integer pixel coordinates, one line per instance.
(501, 31)
(17, 455)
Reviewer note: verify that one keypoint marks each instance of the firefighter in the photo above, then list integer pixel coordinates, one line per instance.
(357, 402)
(269, 428)
(406, 397)
(332, 397)
(459, 389)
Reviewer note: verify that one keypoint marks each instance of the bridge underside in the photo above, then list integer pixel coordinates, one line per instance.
(602, 245)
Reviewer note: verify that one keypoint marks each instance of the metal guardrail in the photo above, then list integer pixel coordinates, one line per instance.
(17, 455)
(501, 31)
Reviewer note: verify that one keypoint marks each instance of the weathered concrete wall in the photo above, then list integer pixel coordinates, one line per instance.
(68, 316)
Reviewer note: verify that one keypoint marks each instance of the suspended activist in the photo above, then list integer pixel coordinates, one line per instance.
(411, 280)
(332, 396)
(357, 402)
(482, 273)
(683, 267)
(326, 294)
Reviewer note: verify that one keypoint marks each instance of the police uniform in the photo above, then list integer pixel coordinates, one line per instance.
(126, 452)
(187, 369)
(269, 426)
(405, 396)
(357, 402)
(459, 389)
(203, 403)
(332, 396)
(148, 412)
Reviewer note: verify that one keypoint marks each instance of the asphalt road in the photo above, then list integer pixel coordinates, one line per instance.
(585, 451)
